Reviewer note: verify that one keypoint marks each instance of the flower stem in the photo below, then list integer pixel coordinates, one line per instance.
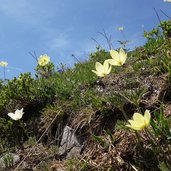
(21, 124)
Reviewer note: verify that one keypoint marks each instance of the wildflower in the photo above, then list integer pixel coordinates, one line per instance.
(118, 58)
(102, 70)
(139, 121)
(17, 115)
(120, 28)
(43, 60)
(3, 63)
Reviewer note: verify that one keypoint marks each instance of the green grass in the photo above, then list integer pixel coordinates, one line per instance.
(94, 106)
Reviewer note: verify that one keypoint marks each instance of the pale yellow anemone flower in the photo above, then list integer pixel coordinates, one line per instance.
(120, 28)
(102, 70)
(118, 58)
(167, 0)
(3, 63)
(43, 60)
(139, 121)
(17, 115)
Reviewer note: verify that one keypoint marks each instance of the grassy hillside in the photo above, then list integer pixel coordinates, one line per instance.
(96, 108)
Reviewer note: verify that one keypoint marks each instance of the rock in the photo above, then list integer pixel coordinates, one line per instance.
(69, 146)
(8, 160)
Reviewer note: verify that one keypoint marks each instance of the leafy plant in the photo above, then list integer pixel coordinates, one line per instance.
(166, 27)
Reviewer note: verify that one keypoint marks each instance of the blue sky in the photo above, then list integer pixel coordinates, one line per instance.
(61, 28)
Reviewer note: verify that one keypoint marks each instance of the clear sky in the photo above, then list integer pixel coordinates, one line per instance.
(61, 28)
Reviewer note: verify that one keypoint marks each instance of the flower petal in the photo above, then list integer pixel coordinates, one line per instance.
(12, 116)
(97, 73)
(114, 62)
(114, 54)
(134, 123)
(19, 113)
(122, 55)
(99, 66)
(121, 51)
(109, 70)
(94, 71)
(134, 127)
(137, 117)
(106, 66)
(147, 117)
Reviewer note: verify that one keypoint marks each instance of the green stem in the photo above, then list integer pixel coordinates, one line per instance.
(138, 136)
(148, 134)
(124, 114)
(21, 124)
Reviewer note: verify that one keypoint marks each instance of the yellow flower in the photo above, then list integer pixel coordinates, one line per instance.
(102, 70)
(17, 115)
(167, 0)
(120, 28)
(139, 121)
(3, 63)
(118, 58)
(43, 60)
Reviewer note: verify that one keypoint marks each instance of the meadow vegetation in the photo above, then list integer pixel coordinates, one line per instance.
(121, 110)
